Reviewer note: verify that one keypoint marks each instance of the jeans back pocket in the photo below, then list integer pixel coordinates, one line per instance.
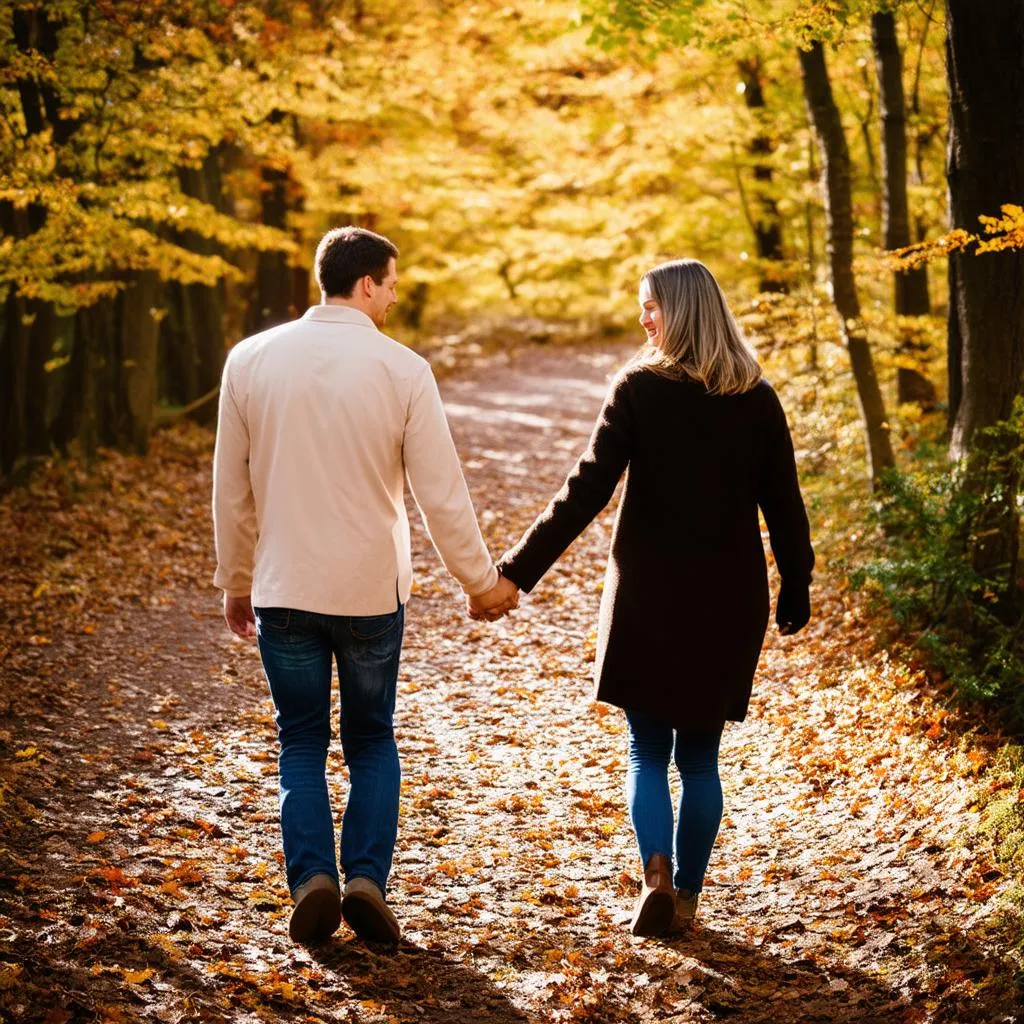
(373, 627)
(275, 620)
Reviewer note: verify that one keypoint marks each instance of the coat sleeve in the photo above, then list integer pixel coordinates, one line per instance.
(588, 488)
(781, 502)
(234, 507)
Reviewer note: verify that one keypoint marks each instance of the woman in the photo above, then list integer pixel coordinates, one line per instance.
(685, 603)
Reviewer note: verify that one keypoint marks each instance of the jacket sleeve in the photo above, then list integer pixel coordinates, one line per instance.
(588, 488)
(234, 508)
(439, 489)
(781, 502)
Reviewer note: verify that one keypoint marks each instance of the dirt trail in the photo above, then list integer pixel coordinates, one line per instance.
(140, 872)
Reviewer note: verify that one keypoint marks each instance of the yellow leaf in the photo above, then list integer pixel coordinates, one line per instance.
(9, 975)
(137, 977)
(166, 943)
(26, 753)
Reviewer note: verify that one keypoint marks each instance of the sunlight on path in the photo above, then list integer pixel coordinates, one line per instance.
(147, 866)
(839, 811)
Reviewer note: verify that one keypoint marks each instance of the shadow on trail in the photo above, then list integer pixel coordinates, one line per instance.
(755, 984)
(125, 976)
(417, 984)
(724, 978)
(721, 979)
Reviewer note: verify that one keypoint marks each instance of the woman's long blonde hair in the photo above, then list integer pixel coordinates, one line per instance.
(700, 338)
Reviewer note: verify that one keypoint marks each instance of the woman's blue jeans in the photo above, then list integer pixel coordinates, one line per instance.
(651, 746)
(297, 649)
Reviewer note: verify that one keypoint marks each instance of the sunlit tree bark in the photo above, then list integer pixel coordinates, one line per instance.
(910, 286)
(828, 129)
(765, 219)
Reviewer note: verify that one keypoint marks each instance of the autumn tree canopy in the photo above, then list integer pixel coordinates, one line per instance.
(166, 170)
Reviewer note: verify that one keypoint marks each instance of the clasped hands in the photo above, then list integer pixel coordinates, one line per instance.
(495, 603)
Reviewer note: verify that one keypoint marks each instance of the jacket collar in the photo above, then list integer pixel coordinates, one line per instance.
(338, 315)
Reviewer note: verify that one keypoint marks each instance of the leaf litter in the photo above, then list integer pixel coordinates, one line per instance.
(140, 864)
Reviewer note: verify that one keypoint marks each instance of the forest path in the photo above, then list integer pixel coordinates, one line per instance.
(140, 873)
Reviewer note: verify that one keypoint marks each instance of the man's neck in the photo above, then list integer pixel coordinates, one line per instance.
(334, 300)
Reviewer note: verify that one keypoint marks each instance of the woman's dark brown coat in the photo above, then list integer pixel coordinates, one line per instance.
(685, 603)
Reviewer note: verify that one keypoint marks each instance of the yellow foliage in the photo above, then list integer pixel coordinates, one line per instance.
(1008, 230)
(1005, 232)
(519, 167)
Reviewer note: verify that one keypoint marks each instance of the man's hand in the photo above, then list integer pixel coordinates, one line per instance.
(239, 616)
(494, 603)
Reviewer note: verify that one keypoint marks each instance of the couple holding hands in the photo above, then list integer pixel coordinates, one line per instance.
(322, 420)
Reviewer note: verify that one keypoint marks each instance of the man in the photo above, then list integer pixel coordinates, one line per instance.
(321, 420)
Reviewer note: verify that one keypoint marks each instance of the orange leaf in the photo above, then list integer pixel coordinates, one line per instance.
(116, 876)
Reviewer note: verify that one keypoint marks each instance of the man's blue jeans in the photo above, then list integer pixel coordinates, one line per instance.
(297, 649)
(651, 746)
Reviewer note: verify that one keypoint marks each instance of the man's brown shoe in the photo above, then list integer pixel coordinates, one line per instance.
(655, 906)
(317, 912)
(685, 910)
(367, 914)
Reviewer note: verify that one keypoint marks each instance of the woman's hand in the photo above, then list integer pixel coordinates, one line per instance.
(793, 608)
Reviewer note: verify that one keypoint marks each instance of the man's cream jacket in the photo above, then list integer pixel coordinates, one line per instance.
(321, 420)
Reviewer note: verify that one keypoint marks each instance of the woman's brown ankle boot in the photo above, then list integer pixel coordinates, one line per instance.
(657, 903)
(686, 910)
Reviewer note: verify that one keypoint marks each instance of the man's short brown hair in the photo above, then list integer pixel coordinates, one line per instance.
(347, 255)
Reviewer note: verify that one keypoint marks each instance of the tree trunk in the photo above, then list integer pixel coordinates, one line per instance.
(137, 370)
(27, 337)
(192, 334)
(835, 155)
(910, 296)
(767, 224)
(29, 325)
(812, 260)
(413, 305)
(302, 282)
(954, 343)
(985, 168)
(865, 124)
(13, 363)
(88, 410)
(272, 303)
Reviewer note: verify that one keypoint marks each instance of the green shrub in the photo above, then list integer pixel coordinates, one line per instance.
(949, 569)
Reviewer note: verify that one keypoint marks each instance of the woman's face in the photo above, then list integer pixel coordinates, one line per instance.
(651, 317)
